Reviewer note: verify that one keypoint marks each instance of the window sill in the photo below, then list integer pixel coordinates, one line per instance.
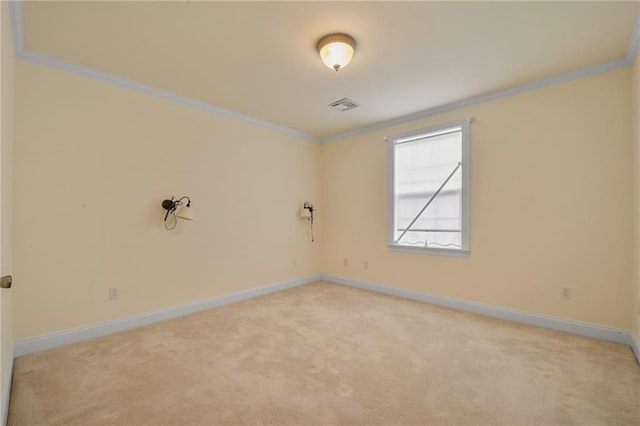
(429, 250)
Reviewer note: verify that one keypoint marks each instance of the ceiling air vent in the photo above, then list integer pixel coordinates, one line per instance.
(343, 104)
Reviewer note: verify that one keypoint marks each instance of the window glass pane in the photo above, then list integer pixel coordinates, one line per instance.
(421, 167)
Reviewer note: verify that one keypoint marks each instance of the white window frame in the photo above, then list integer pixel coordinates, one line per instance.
(417, 134)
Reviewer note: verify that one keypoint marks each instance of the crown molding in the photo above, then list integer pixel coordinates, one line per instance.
(634, 42)
(491, 96)
(17, 21)
(632, 50)
(154, 91)
(17, 26)
(20, 52)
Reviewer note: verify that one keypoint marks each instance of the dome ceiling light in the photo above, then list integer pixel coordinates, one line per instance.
(336, 50)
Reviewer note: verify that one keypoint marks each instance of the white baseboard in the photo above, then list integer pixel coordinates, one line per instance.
(6, 389)
(36, 344)
(635, 346)
(570, 326)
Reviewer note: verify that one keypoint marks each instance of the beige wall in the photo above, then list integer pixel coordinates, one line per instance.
(551, 182)
(635, 300)
(6, 124)
(92, 164)
(551, 203)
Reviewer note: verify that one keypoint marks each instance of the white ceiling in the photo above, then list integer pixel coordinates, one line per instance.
(258, 59)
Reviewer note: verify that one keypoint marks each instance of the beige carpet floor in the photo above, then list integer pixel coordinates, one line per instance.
(329, 354)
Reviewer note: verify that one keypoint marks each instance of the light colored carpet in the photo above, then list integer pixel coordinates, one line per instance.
(328, 354)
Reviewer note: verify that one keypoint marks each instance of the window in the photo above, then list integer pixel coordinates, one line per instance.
(430, 190)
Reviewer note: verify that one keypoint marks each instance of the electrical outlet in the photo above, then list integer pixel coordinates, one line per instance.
(113, 293)
(365, 265)
(345, 262)
(565, 293)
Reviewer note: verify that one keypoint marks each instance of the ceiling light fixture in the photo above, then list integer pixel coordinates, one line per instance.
(336, 50)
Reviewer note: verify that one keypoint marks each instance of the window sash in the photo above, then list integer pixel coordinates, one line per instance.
(425, 224)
